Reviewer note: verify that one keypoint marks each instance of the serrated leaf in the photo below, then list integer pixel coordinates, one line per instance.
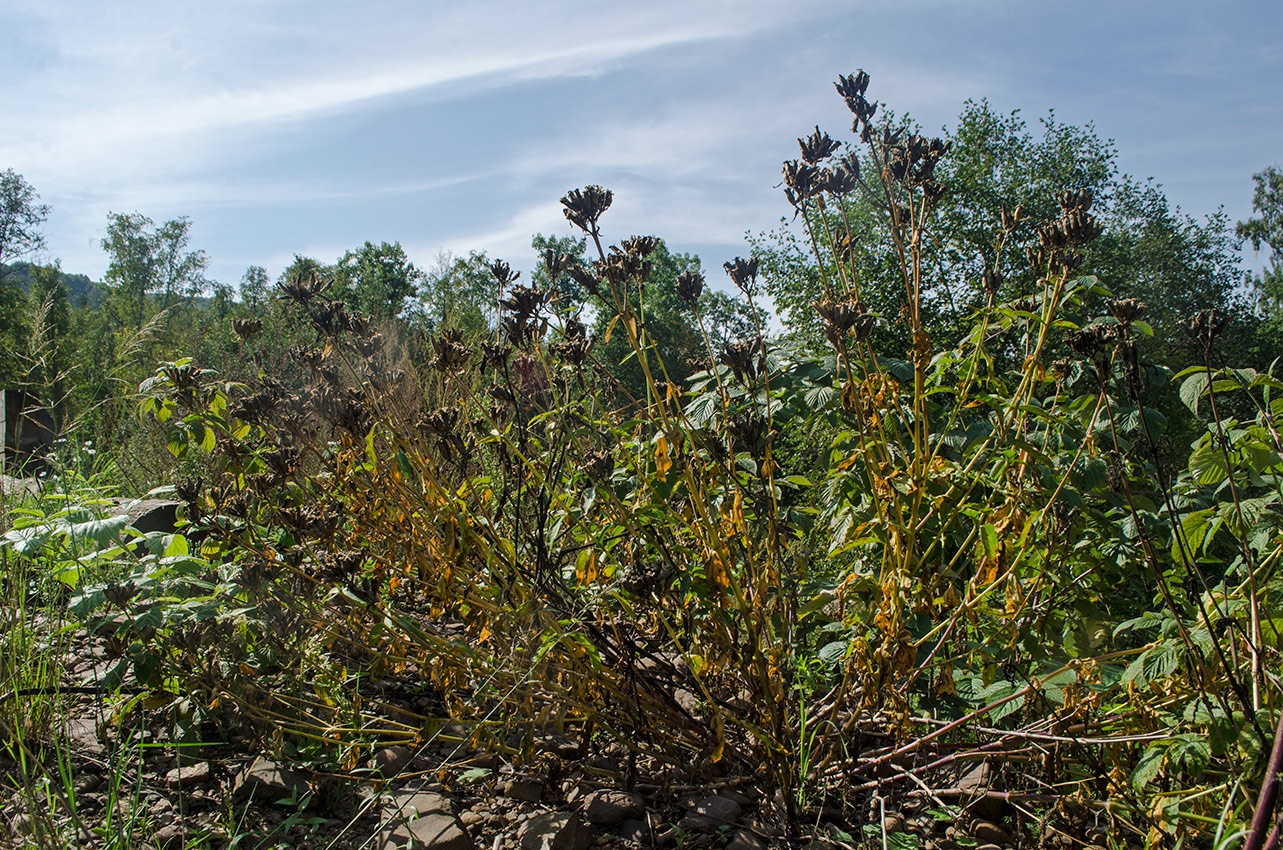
(817, 398)
(1148, 767)
(700, 411)
(1192, 388)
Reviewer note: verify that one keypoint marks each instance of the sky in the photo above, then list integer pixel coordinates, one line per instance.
(284, 127)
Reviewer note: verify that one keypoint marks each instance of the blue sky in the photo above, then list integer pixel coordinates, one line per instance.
(311, 127)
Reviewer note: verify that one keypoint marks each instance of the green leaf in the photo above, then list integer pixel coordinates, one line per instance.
(1148, 767)
(1192, 388)
(700, 411)
(818, 398)
(834, 651)
(1088, 473)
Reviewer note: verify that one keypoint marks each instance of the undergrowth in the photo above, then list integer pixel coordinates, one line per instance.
(844, 573)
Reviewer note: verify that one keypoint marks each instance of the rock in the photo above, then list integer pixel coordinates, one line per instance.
(637, 831)
(608, 807)
(29, 431)
(11, 487)
(390, 761)
(83, 732)
(151, 515)
(524, 789)
(688, 702)
(710, 813)
(169, 836)
(894, 823)
(557, 745)
(408, 804)
(555, 831)
(87, 783)
(975, 780)
(745, 840)
(472, 818)
(988, 833)
(433, 831)
(195, 774)
(268, 782)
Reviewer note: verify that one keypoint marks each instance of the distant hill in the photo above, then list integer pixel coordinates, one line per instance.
(80, 288)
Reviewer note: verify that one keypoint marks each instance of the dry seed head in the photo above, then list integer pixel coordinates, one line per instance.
(852, 85)
(817, 147)
(247, 329)
(524, 302)
(690, 285)
(801, 181)
(452, 354)
(583, 276)
(503, 274)
(640, 246)
(1125, 310)
(744, 273)
(1206, 325)
(992, 281)
(583, 207)
(573, 350)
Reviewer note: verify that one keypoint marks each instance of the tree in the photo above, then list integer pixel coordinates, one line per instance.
(21, 216)
(1266, 229)
(457, 292)
(975, 249)
(146, 260)
(253, 287)
(376, 279)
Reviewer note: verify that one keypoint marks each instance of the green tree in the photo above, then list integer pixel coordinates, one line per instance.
(254, 287)
(975, 246)
(21, 215)
(1266, 230)
(148, 260)
(376, 279)
(457, 292)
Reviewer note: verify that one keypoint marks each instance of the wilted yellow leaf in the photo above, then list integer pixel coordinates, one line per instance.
(662, 461)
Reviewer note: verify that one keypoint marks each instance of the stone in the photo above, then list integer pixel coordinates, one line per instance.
(637, 831)
(975, 780)
(408, 804)
(83, 732)
(169, 836)
(472, 818)
(268, 782)
(433, 831)
(555, 831)
(524, 789)
(711, 812)
(195, 774)
(11, 487)
(390, 761)
(609, 807)
(745, 840)
(988, 833)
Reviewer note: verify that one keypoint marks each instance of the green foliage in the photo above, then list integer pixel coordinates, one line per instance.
(376, 279)
(145, 260)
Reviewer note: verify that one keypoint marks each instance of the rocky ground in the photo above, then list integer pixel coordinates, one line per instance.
(165, 798)
(105, 773)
